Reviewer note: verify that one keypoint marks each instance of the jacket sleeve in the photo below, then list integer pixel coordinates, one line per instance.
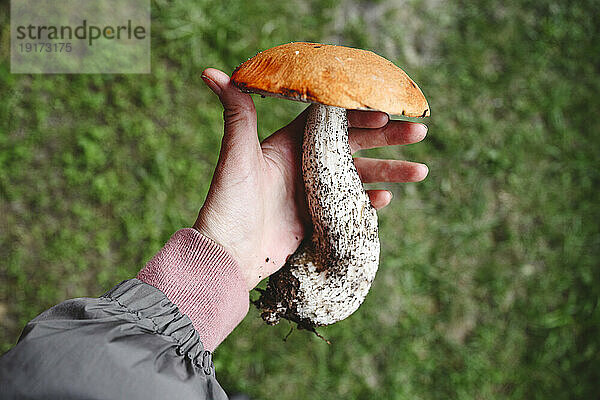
(134, 342)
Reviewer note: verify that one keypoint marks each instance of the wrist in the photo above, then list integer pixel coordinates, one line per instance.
(216, 236)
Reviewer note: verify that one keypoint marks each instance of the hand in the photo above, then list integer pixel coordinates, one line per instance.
(256, 207)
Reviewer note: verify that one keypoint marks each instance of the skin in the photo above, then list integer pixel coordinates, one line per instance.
(256, 207)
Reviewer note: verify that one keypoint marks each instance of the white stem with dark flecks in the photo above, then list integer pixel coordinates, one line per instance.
(334, 270)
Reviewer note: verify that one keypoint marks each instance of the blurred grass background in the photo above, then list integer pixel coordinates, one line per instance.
(489, 279)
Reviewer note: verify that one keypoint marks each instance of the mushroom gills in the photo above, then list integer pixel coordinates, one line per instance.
(328, 276)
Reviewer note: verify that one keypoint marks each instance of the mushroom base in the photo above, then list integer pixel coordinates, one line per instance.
(279, 300)
(330, 274)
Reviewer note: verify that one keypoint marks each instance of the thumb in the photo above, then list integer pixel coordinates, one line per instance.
(239, 112)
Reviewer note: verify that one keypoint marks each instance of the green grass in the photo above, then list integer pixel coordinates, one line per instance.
(489, 281)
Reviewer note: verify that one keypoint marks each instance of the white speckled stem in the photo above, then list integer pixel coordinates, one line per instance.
(335, 270)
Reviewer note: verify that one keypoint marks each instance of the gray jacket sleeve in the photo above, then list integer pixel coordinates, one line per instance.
(131, 343)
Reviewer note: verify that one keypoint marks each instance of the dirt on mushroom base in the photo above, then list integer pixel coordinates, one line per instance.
(279, 299)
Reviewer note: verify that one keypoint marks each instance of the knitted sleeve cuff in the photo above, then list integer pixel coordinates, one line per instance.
(203, 280)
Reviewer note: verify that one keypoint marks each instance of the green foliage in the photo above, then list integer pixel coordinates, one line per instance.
(489, 281)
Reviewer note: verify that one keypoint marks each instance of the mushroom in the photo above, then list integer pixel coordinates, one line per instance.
(330, 274)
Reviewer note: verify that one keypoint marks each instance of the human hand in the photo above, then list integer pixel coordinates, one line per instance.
(256, 207)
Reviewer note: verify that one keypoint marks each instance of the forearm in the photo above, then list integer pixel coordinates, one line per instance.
(203, 280)
(146, 338)
(131, 343)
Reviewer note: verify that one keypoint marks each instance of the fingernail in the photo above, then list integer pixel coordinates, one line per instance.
(424, 171)
(424, 130)
(212, 85)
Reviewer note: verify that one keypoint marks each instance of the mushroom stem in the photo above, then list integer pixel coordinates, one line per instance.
(328, 277)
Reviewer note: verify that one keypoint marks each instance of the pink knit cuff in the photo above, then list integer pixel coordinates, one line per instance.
(203, 281)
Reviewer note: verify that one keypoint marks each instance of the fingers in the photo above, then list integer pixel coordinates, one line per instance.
(373, 170)
(239, 112)
(356, 119)
(393, 133)
(379, 198)
(367, 119)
